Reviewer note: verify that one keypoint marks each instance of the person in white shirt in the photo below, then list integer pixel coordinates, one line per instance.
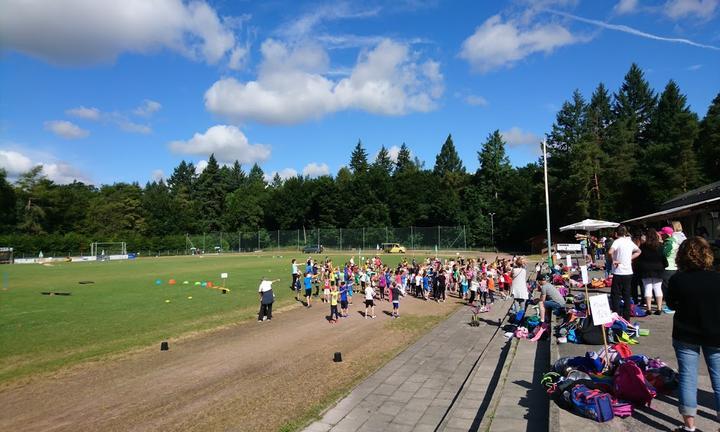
(267, 298)
(622, 252)
(369, 301)
(295, 284)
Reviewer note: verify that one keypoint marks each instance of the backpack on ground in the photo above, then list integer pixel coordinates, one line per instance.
(592, 404)
(622, 409)
(631, 385)
(589, 333)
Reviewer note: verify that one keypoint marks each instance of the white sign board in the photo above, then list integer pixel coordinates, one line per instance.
(568, 260)
(600, 309)
(584, 274)
(568, 247)
(223, 275)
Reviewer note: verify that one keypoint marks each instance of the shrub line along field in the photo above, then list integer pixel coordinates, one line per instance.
(123, 309)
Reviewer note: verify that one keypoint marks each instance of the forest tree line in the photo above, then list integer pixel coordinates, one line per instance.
(610, 156)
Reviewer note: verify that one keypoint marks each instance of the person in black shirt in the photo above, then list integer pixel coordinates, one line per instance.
(693, 294)
(650, 267)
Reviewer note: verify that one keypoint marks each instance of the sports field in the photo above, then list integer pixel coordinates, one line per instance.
(124, 308)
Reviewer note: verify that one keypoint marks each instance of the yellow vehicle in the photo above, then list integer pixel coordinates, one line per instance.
(393, 248)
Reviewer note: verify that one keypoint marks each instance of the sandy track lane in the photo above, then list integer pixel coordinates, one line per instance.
(246, 377)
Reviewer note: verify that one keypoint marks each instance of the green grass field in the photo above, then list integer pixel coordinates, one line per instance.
(124, 308)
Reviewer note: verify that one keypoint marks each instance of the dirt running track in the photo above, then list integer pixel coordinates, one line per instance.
(247, 377)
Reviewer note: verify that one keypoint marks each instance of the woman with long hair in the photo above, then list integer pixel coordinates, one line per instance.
(693, 294)
(650, 267)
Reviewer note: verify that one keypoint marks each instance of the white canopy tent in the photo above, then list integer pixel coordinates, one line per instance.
(589, 225)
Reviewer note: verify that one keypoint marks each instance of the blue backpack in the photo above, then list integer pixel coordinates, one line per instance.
(592, 404)
(519, 315)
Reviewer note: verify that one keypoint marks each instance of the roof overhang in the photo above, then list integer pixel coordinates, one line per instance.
(676, 211)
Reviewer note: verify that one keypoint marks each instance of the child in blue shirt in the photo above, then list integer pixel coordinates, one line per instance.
(344, 299)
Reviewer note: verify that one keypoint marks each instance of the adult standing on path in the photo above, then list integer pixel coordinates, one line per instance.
(519, 282)
(692, 293)
(295, 284)
(622, 252)
(267, 297)
(670, 249)
(650, 266)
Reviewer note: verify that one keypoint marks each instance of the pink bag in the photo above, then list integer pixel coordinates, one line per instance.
(631, 385)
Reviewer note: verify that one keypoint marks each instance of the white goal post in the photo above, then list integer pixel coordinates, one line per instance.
(105, 249)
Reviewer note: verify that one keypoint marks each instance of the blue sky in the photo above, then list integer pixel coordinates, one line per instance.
(105, 91)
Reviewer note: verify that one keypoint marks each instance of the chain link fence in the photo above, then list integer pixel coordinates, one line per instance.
(413, 238)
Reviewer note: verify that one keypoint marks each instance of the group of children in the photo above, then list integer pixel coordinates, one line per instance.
(470, 279)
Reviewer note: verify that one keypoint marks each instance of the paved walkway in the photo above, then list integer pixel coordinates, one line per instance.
(414, 391)
(663, 414)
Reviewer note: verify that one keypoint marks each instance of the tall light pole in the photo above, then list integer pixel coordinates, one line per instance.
(547, 205)
(492, 230)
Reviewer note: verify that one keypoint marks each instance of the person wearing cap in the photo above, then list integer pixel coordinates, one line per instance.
(670, 249)
(267, 298)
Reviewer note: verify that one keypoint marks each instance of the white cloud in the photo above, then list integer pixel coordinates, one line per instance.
(119, 118)
(132, 127)
(148, 108)
(332, 11)
(157, 175)
(497, 44)
(314, 169)
(84, 113)
(66, 129)
(516, 137)
(78, 32)
(292, 85)
(228, 143)
(16, 163)
(200, 166)
(693, 68)
(393, 153)
(626, 6)
(676, 9)
(476, 100)
(284, 174)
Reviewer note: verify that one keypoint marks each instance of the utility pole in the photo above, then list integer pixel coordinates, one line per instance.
(547, 205)
(492, 229)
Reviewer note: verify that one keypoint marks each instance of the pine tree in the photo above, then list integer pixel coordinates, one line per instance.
(383, 162)
(635, 103)
(567, 133)
(448, 161)
(494, 165)
(359, 159)
(7, 204)
(210, 196)
(669, 158)
(708, 141)
(256, 176)
(404, 161)
(237, 176)
(567, 130)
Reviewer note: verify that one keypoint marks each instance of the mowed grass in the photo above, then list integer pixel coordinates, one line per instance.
(124, 308)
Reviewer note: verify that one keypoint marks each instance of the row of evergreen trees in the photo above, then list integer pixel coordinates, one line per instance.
(611, 157)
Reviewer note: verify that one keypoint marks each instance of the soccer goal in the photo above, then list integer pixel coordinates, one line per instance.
(103, 250)
(6, 255)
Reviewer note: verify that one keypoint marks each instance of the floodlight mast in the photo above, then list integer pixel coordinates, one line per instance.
(547, 204)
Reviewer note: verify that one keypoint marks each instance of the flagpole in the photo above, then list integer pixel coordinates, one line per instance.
(547, 205)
